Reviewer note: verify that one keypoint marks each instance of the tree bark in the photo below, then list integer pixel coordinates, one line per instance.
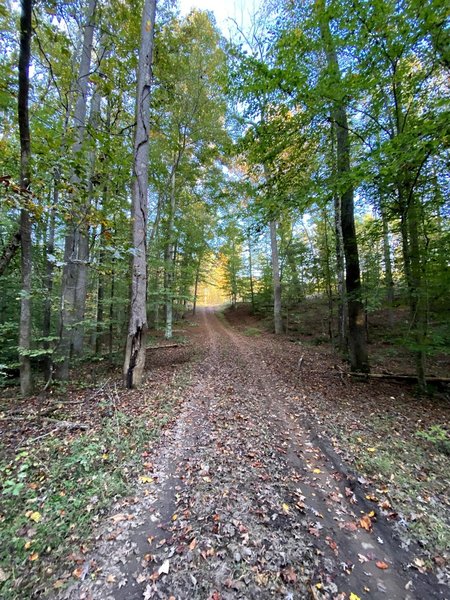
(357, 337)
(250, 271)
(134, 362)
(388, 279)
(26, 382)
(277, 318)
(76, 242)
(197, 278)
(169, 257)
(49, 274)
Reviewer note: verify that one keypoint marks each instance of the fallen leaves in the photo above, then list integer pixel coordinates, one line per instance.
(34, 516)
(146, 479)
(164, 568)
(382, 565)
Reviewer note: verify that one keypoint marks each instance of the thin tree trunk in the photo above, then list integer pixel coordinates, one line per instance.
(388, 280)
(169, 258)
(277, 317)
(250, 268)
(328, 279)
(49, 274)
(76, 242)
(26, 382)
(134, 362)
(197, 278)
(111, 312)
(357, 338)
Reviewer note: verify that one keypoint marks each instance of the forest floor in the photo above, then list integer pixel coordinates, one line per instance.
(267, 474)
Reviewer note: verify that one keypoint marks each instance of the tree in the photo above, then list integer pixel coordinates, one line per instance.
(137, 331)
(26, 382)
(357, 338)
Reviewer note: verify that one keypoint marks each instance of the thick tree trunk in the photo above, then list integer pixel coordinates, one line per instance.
(356, 321)
(277, 318)
(26, 382)
(134, 362)
(76, 244)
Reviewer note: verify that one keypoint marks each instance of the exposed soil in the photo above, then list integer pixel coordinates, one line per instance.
(248, 499)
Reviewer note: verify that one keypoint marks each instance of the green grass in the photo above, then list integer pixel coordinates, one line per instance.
(252, 331)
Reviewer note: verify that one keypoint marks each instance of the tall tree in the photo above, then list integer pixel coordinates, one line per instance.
(26, 382)
(76, 246)
(357, 336)
(137, 330)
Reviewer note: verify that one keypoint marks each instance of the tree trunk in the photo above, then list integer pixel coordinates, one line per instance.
(26, 382)
(250, 269)
(197, 278)
(82, 278)
(169, 258)
(134, 362)
(76, 242)
(388, 280)
(49, 274)
(357, 338)
(277, 318)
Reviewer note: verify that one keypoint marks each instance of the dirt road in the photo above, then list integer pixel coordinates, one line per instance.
(248, 501)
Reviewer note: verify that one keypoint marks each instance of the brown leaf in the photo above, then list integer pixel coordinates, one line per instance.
(365, 522)
(193, 544)
(382, 565)
(288, 575)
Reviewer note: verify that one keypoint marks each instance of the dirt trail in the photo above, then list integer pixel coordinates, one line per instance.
(248, 502)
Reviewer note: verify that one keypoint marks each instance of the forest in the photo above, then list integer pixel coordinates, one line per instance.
(294, 172)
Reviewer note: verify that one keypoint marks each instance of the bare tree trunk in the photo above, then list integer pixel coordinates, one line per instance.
(250, 271)
(49, 274)
(328, 278)
(76, 242)
(169, 259)
(197, 278)
(357, 338)
(26, 382)
(134, 362)
(111, 312)
(82, 278)
(389, 282)
(277, 318)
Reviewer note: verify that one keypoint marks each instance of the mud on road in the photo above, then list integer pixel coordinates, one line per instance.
(248, 500)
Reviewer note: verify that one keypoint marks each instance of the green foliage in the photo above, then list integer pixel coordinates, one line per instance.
(438, 437)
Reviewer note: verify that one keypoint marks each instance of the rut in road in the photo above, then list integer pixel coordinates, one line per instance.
(249, 502)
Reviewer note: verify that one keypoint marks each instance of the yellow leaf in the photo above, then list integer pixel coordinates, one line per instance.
(27, 545)
(371, 449)
(34, 556)
(36, 516)
(285, 507)
(354, 596)
(319, 586)
(105, 456)
(174, 517)
(146, 479)
(317, 471)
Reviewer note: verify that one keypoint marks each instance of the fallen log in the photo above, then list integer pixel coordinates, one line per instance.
(160, 347)
(399, 376)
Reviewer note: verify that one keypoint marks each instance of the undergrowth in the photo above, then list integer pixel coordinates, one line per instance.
(53, 493)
